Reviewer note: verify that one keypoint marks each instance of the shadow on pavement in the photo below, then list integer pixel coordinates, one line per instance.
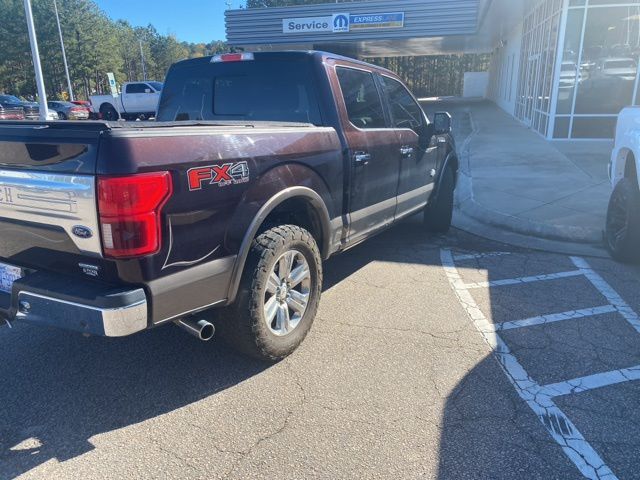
(60, 389)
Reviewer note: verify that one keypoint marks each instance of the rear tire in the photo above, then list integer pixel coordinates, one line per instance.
(109, 113)
(62, 116)
(622, 233)
(256, 324)
(438, 214)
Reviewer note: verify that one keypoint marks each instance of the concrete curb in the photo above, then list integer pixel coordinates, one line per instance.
(467, 205)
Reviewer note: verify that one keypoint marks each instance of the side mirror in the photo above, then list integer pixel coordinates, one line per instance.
(442, 123)
(147, 90)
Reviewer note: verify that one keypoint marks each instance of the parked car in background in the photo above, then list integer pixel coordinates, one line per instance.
(85, 103)
(10, 111)
(31, 109)
(231, 200)
(138, 100)
(624, 68)
(69, 111)
(622, 233)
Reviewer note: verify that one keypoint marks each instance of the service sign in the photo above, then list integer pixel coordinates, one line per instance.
(376, 21)
(307, 24)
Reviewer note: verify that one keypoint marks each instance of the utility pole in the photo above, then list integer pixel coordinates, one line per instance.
(64, 54)
(42, 94)
(144, 70)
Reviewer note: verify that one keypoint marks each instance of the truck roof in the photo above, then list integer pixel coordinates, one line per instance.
(294, 55)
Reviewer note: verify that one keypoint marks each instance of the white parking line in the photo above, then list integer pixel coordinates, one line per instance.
(472, 256)
(517, 281)
(607, 292)
(561, 429)
(556, 317)
(590, 382)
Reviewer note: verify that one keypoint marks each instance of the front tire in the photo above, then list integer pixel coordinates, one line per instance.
(438, 214)
(622, 233)
(278, 296)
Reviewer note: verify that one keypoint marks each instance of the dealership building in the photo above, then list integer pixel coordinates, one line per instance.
(564, 68)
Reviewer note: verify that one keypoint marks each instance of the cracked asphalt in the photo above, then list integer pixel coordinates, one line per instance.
(394, 381)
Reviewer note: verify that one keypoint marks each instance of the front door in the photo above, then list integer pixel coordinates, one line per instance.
(418, 147)
(373, 153)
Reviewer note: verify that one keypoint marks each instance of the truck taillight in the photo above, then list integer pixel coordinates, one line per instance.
(232, 57)
(129, 209)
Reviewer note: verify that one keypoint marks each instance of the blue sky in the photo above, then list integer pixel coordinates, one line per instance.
(189, 20)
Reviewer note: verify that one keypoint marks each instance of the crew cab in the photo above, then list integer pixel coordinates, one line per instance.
(259, 167)
(622, 232)
(138, 100)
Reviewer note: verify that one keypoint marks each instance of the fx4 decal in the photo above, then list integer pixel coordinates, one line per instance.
(221, 175)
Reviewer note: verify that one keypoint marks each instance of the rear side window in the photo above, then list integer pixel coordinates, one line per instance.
(361, 98)
(248, 90)
(404, 109)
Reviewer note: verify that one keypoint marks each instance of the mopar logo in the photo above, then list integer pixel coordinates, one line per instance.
(82, 232)
(340, 22)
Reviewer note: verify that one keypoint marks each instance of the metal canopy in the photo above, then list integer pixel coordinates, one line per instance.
(429, 27)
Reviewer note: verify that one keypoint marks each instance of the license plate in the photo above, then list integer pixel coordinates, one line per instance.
(8, 275)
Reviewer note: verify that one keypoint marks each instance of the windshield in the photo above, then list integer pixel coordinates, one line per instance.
(250, 90)
(9, 99)
(157, 86)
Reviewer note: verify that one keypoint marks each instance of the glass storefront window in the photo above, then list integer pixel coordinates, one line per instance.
(570, 73)
(599, 69)
(538, 55)
(609, 60)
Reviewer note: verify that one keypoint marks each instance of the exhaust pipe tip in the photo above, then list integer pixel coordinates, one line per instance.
(200, 329)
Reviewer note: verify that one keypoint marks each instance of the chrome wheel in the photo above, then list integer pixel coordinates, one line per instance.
(287, 292)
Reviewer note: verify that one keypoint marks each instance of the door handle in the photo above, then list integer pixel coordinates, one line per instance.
(361, 158)
(406, 152)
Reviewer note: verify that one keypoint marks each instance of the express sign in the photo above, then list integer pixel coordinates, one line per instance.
(343, 22)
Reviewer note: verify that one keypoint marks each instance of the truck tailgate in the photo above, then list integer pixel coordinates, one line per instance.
(48, 193)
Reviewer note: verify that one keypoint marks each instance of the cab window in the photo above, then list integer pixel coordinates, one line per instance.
(405, 111)
(361, 98)
(137, 87)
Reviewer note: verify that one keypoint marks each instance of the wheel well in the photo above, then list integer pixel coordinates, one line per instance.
(296, 211)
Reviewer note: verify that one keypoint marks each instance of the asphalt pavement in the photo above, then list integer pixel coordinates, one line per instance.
(447, 357)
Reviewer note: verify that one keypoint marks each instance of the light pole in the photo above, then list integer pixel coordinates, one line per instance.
(144, 70)
(64, 54)
(42, 94)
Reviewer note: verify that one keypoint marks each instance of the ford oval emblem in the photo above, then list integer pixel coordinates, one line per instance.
(82, 232)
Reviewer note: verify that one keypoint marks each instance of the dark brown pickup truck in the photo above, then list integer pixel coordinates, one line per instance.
(259, 167)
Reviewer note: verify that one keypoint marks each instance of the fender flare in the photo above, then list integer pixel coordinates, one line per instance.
(292, 192)
(450, 160)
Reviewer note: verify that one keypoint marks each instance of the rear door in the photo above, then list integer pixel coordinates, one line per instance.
(418, 147)
(373, 152)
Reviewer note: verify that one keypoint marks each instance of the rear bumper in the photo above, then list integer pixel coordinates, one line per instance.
(48, 300)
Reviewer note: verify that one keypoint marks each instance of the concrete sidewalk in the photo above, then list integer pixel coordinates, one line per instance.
(513, 179)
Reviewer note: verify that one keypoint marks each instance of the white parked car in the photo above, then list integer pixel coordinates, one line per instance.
(622, 234)
(137, 100)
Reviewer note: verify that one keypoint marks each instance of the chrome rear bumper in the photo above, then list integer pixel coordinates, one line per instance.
(108, 322)
(72, 304)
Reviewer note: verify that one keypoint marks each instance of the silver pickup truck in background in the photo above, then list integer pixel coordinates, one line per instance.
(138, 100)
